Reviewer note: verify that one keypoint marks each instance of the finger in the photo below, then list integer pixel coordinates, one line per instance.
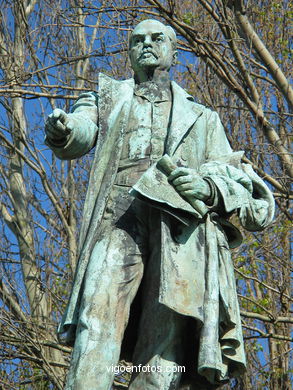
(49, 128)
(191, 193)
(182, 180)
(60, 115)
(54, 116)
(55, 127)
(185, 187)
(178, 172)
(53, 132)
(54, 120)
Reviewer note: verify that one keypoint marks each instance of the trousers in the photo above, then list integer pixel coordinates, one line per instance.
(126, 257)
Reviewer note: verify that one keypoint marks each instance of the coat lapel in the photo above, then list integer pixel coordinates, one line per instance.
(114, 107)
(184, 114)
(113, 95)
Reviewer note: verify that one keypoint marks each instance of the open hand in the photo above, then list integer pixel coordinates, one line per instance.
(58, 125)
(189, 184)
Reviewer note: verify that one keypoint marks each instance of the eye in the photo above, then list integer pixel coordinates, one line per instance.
(136, 40)
(159, 38)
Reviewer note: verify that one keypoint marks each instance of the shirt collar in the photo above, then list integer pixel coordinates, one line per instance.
(154, 92)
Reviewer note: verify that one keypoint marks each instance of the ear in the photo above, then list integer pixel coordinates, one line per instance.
(175, 56)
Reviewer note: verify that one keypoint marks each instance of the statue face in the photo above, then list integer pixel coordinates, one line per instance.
(150, 47)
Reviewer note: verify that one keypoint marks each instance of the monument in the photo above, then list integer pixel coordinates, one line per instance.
(154, 282)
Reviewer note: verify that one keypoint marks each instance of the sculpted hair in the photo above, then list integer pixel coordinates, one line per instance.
(172, 36)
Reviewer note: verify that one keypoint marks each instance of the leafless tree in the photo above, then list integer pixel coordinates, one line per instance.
(234, 58)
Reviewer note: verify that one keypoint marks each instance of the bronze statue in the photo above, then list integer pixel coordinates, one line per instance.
(154, 281)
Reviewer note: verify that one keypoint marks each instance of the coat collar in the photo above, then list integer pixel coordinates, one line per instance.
(114, 96)
(184, 114)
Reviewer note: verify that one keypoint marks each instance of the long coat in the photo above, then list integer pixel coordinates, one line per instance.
(197, 277)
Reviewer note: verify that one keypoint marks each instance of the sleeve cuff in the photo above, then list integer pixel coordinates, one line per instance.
(213, 199)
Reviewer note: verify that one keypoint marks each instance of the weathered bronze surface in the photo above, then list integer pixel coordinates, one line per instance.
(155, 234)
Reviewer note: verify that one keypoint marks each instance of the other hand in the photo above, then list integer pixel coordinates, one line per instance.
(58, 125)
(189, 184)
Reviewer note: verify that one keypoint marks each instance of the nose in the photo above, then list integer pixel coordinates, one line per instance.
(147, 41)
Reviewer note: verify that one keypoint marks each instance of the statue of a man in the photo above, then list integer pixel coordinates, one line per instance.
(154, 281)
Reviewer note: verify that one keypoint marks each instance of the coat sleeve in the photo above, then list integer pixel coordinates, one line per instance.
(81, 140)
(238, 187)
(217, 144)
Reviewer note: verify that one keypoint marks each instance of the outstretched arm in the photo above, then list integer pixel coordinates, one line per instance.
(73, 135)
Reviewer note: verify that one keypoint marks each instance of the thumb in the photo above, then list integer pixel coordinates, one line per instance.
(60, 115)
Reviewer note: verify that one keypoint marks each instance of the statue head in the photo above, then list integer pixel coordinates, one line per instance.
(152, 45)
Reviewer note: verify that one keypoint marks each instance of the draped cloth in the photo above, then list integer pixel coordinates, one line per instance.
(197, 274)
(197, 277)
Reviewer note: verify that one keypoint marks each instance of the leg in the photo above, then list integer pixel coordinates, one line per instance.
(111, 282)
(160, 352)
(159, 345)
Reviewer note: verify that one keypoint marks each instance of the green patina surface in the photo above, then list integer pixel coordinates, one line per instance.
(155, 230)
